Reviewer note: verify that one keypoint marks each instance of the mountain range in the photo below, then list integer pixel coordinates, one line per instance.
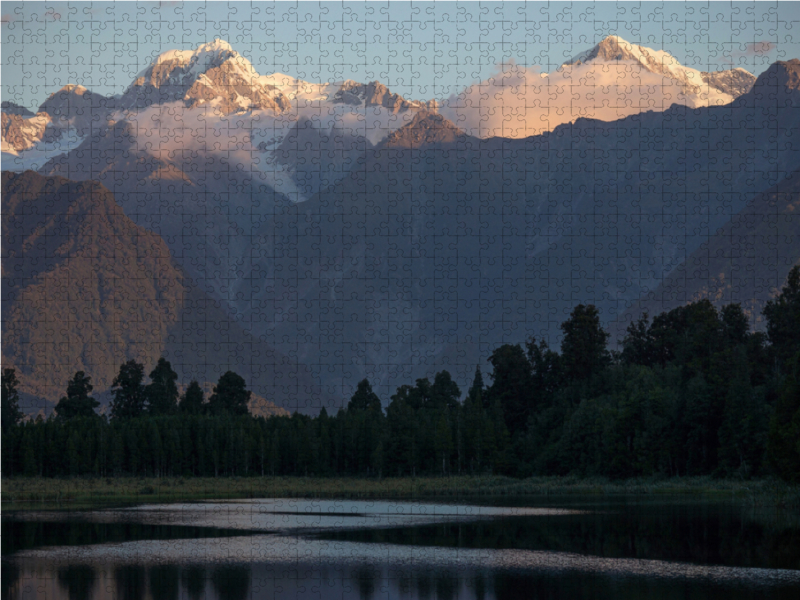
(351, 232)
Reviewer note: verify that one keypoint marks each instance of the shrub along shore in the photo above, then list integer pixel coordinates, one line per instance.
(36, 493)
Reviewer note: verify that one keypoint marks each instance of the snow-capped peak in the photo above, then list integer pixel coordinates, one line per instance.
(212, 75)
(194, 62)
(73, 87)
(719, 87)
(614, 48)
(203, 52)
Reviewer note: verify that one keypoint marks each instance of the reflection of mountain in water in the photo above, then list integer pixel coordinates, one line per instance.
(231, 582)
(412, 581)
(77, 580)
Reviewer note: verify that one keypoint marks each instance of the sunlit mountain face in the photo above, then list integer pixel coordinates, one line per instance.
(213, 100)
(615, 79)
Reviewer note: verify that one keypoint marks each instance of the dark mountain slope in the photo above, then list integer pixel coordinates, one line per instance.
(84, 288)
(746, 261)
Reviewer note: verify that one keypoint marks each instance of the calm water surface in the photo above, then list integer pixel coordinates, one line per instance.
(529, 548)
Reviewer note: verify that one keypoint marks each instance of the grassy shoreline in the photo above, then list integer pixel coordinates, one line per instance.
(36, 493)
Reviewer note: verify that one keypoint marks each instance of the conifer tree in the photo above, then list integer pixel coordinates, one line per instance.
(783, 318)
(11, 414)
(77, 402)
(783, 446)
(511, 385)
(128, 391)
(162, 392)
(583, 347)
(192, 400)
(364, 398)
(741, 443)
(230, 395)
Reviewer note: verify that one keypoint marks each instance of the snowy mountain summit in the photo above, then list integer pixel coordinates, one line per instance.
(700, 87)
(214, 74)
(182, 95)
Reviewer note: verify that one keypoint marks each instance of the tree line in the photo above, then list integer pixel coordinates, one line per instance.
(690, 392)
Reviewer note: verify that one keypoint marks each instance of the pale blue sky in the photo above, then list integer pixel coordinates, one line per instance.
(418, 49)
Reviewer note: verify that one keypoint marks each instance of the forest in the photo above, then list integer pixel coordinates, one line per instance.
(692, 391)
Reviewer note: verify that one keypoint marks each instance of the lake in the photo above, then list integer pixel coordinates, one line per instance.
(553, 547)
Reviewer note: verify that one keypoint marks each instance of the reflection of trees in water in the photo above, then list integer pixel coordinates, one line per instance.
(404, 582)
(164, 582)
(77, 581)
(194, 580)
(446, 585)
(365, 578)
(329, 580)
(704, 534)
(9, 575)
(479, 586)
(130, 582)
(231, 582)
(424, 586)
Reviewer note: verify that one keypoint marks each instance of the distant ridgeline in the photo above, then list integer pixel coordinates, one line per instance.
(691, 392)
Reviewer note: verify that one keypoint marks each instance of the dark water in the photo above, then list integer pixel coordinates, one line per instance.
(21, 535)
(700, 534)
(284, 549)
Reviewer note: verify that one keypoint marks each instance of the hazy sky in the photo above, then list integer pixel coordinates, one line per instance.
(420, 50)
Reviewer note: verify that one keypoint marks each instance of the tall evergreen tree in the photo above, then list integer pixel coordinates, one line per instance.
(11, 414)
(402, 433)
(444, 391)
(192, 399)
(128, 396)
(583, 347)
(230, 395)
(501, 441)
(546, 372)
(477, 387)
(783, 319)
(511, 385)
(637, 345)
(365, 421)
(783, 445)
(162, 392)
(364, 398)
(473, 424)
(77, 402)
(734, 324)
(443, 440)
(741, 436)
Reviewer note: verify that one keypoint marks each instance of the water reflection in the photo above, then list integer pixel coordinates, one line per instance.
(77, 580)
(194, 581)
(130, 582)
(231, 582)
(365, 577)
(434, 552)
(723, 537)
(479, 586)
(9, 579)
(164, 582)
(376, 581)
(51, 529)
